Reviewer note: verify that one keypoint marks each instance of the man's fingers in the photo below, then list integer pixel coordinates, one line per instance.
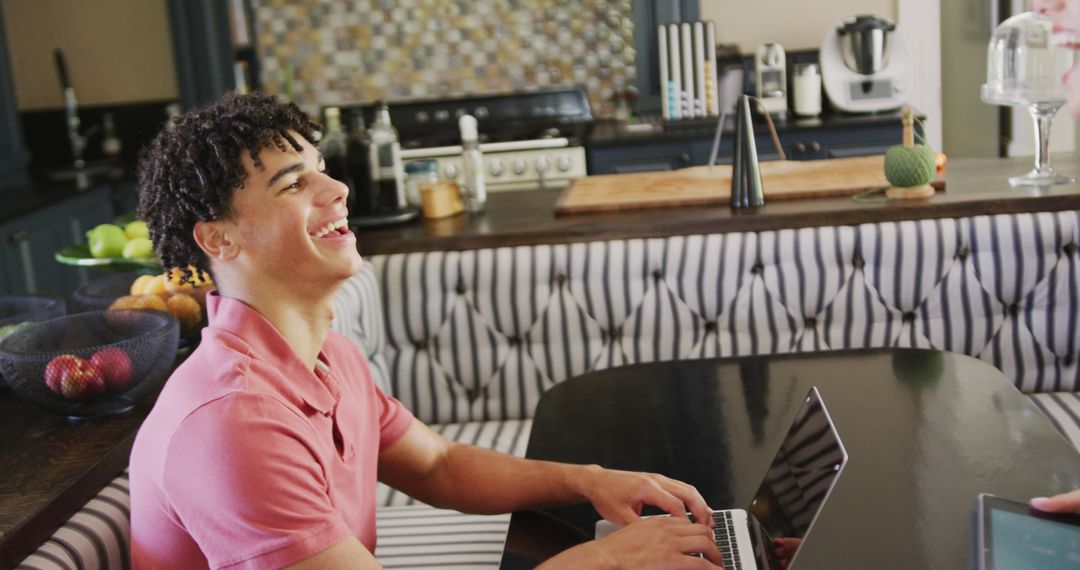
(626, 515)
(1063, 503)
(703, 545)
(691, 498)
(669, 503)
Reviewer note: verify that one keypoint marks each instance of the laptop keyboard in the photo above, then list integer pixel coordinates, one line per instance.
(724, 533)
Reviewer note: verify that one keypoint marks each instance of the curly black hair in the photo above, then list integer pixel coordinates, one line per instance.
(189, 172)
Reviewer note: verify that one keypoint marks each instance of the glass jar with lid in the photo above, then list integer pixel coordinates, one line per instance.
(419, 173)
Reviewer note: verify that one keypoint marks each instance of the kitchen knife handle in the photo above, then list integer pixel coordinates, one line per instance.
(61, 68)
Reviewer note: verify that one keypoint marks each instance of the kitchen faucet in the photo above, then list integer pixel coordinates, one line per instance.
(71, 110)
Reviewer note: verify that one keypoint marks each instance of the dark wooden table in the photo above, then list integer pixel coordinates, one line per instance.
(50, 466)
(926, 433)
(973, 187)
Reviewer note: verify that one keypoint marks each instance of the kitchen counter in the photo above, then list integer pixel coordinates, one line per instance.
(22, 199)
(973, 187)
(615, 133)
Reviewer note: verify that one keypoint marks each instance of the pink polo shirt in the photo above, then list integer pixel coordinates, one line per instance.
(251, 460)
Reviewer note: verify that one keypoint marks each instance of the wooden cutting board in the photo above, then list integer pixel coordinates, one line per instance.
(699, 186)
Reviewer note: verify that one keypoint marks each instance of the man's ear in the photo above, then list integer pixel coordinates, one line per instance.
(213, 238)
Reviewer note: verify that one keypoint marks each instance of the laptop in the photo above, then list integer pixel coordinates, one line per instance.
(769, 533)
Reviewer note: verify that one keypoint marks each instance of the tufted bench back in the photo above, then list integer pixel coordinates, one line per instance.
(481, 334)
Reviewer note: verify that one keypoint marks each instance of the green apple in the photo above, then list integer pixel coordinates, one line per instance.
(136, 229)
(106, 240)
(138, 248)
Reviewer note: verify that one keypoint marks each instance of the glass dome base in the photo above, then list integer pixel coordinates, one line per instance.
(1036, 177)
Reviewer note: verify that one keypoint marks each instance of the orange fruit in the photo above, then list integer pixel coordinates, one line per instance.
(125, 302)
(155, 285)
(186, 310)
(152, 302)
(138, 286)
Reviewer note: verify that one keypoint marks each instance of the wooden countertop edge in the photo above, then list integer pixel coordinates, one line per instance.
(24, 539)
(641, 224)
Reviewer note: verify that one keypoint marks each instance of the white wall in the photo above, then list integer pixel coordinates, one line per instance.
(794, 24)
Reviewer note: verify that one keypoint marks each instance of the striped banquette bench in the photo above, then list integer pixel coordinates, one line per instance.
(470, 340)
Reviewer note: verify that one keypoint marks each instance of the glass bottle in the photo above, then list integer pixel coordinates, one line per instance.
(361, 198)
(472, 165)
(333, 148)
(387, 175)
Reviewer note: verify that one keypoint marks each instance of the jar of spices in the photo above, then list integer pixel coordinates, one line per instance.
(418, 174)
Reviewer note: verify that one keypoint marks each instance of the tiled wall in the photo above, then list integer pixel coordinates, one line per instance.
(348, 51)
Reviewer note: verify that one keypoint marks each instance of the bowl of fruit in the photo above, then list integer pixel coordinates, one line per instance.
(169, 293)
(113, 245)
(91, 364)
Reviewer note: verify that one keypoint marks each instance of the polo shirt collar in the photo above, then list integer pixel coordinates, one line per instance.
(265, 343)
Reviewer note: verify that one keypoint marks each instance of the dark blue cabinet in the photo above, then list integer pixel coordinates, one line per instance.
(615, 155)
(29, 244)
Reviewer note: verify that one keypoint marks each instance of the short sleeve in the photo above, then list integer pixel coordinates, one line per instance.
(394, 418)
(250, 501)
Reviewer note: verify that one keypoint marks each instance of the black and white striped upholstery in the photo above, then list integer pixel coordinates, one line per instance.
(426, 537)
(95, 537)
(480, 335)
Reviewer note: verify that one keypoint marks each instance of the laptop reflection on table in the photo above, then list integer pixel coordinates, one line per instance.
(770, 532)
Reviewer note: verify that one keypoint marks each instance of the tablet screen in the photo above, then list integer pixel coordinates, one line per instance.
(1020, 538)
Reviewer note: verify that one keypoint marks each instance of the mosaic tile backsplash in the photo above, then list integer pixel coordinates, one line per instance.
(353, 51)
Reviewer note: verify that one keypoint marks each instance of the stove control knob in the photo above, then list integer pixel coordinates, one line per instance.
(564, 163)
(542, 164)
(519, 166)
(450, 170)
(496, 167)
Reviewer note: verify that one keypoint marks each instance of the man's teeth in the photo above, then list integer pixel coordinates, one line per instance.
(1066, 39)
(329, 228)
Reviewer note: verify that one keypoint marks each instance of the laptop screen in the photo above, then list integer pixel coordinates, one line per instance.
(801, 476)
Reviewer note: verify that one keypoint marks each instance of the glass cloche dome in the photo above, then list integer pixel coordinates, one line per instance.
(1024, 68)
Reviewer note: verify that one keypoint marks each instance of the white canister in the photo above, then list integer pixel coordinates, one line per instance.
(807, 87)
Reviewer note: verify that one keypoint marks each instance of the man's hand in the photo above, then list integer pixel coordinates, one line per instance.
(619, 496)
(661, 543)
(1063, 503)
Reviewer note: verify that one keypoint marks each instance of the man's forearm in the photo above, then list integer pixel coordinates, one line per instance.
(476, 480)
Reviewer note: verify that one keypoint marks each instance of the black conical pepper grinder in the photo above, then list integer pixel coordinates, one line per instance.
(746, 187)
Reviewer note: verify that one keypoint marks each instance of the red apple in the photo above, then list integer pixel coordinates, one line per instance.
(115, 364)
(74, 378)
(55, 369)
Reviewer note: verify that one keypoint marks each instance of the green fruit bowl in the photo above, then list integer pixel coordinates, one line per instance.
(91, 364)
(79, 256)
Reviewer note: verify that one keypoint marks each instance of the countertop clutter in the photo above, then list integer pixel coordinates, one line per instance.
(973, 187)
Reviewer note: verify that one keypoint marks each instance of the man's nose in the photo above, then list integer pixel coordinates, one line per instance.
(332, 191)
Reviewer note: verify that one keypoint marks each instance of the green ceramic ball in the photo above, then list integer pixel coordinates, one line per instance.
(907, 166)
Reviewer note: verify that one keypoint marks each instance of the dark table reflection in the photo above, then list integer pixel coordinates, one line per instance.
(925, 431)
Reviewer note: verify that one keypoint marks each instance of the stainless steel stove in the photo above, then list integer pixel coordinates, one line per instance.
(529, 140)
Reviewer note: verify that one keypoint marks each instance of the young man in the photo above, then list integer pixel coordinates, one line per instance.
(264, 446)
(1066, 16)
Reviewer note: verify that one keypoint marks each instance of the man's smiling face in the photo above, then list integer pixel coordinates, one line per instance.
(289, 220)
